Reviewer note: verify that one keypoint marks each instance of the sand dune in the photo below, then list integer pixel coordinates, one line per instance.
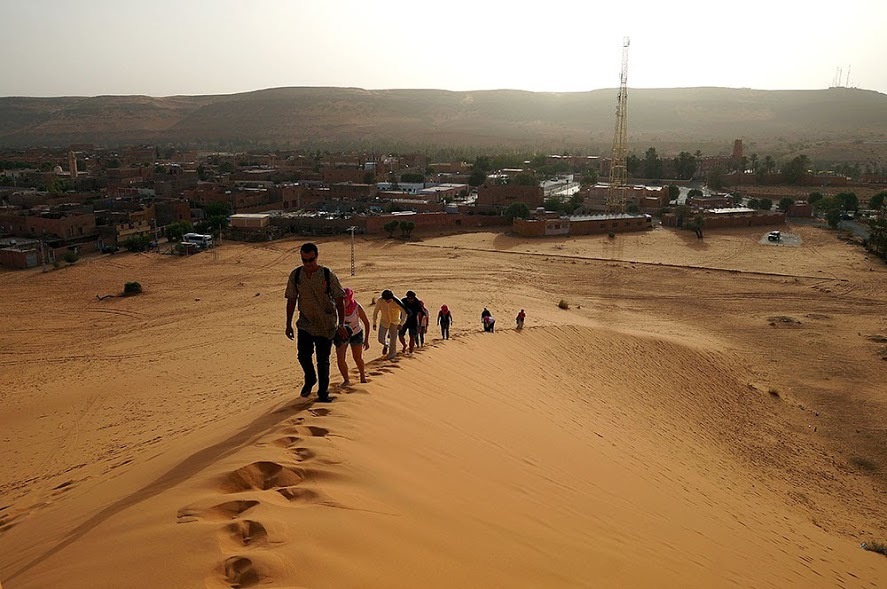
(644, 437)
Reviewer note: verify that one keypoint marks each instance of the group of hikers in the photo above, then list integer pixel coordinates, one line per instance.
(330, 316)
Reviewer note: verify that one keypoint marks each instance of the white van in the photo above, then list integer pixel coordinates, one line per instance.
(200, 239)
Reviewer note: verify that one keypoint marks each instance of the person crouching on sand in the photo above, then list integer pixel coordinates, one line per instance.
(489, 323)
(357, 337)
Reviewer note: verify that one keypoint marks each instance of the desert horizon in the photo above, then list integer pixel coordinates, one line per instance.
(703, 413)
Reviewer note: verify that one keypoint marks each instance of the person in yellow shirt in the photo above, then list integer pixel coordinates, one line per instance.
(393, 313)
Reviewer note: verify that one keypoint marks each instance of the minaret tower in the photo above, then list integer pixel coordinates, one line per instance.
(72, 165)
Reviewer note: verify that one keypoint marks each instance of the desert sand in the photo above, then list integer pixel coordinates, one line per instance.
(703, 414)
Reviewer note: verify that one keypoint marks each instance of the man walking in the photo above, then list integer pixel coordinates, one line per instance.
(393, 314)
(319, 296)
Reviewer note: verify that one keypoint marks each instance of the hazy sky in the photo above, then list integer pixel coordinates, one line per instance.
(166, 47)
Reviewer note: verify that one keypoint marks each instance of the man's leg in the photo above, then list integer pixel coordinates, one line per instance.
(305, 347)
(383, 338)
(392, 336)
(324, 347)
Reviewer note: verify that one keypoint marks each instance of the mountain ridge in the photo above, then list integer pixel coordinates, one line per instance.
(304, 117)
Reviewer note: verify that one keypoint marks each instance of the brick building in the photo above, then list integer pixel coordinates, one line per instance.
(499, 196)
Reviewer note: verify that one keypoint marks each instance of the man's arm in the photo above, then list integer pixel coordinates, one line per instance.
(376, 311)
(290, 308)
(340, 309)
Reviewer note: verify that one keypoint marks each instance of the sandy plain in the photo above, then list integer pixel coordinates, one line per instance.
(705, 414)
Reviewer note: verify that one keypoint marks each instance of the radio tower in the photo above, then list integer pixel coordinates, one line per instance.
(618, 176)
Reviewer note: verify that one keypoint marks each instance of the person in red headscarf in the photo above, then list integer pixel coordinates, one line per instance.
(357, 337)
(444, 318)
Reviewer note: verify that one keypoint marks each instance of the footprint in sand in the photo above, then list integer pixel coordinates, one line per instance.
(318, 432)
(222, 512)
(240, 572)
(287, 441)
(299, 495)
(245, 533)
(303, 454)
(263, 475)
(319, 412)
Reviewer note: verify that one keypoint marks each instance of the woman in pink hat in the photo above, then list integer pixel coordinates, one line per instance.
(357, 337)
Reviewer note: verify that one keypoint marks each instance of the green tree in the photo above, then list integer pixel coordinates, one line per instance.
(517, 210)
(848, 200)
(412, 178)
(175, 231)
(833, 217)
(226, 167)
(877, 241)
(754, 203)
(524, 180)
(633, 165)
(785, 203)
(876, 202)
(552, 204)
(390, 227)
(406, 228)
(214, 209)
(673, 192)
(830, 208)
(652, 164)
(477, 178)
(369, 178)
(633, 208)
(814, 197)
(573, 203)
(589, 178)
(753, 159)
(766, 204)
(696, 224)
(681, 213)
(482, 164)
(694, 192)
(136, 243)
(715, 178)
(795, 169)
(684, 165)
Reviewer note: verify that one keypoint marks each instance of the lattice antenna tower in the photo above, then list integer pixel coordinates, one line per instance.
(618, 172)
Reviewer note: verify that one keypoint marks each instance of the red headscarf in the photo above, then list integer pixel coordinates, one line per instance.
(350, 303)
(444, 309)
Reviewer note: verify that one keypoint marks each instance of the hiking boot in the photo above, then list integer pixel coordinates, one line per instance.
(327, 398)
(306, 388)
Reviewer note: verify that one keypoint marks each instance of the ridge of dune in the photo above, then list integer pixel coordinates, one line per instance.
(554, 456)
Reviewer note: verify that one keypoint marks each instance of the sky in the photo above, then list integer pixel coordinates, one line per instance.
(188, 47)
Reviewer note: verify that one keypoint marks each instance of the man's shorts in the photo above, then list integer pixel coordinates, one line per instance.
(354, 340)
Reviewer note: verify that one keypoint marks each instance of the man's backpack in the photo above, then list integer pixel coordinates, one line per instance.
(326, 277)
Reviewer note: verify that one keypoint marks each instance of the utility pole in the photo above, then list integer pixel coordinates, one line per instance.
(352, 229)
(618, 173)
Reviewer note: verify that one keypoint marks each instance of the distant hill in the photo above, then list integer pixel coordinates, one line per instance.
(344, 118)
